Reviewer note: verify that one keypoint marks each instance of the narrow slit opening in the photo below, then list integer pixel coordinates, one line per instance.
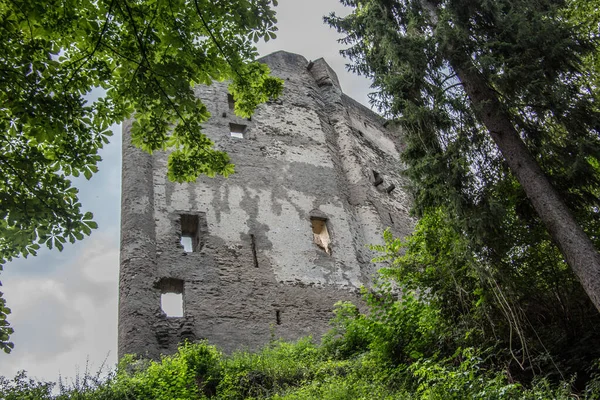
(254, 256)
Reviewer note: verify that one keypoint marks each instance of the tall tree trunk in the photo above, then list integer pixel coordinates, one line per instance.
(575, 245)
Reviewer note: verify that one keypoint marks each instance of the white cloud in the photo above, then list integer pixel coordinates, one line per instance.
(64, 319)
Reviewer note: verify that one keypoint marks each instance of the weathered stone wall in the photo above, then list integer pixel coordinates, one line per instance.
(256, 271)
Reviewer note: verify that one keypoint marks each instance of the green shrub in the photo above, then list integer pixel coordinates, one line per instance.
(23, 388)
(299, 371)
(397, 330)
(269, 371)
(192, 373)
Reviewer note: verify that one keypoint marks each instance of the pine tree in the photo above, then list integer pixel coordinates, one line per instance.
(499, 114)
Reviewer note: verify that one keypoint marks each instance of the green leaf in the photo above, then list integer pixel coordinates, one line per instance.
(58, 54)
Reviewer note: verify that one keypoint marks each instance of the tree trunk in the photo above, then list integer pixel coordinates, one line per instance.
(576, 247)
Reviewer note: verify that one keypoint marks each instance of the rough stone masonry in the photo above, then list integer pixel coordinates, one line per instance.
(273, 247)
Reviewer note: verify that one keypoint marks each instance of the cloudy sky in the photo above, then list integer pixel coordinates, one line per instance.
(64, 305)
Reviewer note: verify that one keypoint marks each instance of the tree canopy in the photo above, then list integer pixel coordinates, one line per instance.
(498, 109)
(145, 56)
(485, 90)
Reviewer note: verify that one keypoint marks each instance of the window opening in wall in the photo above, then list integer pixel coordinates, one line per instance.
(171, 296)
(321, 234)
(190, 234)
(186, 242)
(230, 101)
(377, 179)
(237, 130)
(172, 304)
(278, 317)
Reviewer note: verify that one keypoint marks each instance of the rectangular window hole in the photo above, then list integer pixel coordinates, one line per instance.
(186, 242)
(190, 232)
(321, 234)
(237, 130)
(171, 296)
(230, 101)
(172, 304)
(278, 317)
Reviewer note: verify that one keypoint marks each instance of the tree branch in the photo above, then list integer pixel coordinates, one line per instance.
(90, 55)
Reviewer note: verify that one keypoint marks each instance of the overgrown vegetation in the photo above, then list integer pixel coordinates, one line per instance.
(486, 90)
(498, 101)
(452, 332)
(303, 370)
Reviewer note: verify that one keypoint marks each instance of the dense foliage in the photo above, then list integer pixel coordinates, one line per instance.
(502, 131)
(451, 332)
(142, 58)
(481, 248)
(401, 350)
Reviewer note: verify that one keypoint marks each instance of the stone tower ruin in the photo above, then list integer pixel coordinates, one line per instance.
(269, 250)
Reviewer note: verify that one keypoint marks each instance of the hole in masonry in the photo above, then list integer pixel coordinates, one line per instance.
(190, 239)
(171, 296)
(186, 242)
(377, 179)
(172, 304)
(237, 130)
(321, 234)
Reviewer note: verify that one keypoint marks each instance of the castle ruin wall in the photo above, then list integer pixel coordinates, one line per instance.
(276, 244)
